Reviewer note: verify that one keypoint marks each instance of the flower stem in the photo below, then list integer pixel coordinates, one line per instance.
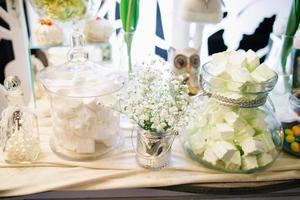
(128, 37)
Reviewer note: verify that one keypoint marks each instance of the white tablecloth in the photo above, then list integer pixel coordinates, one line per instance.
(120, 170)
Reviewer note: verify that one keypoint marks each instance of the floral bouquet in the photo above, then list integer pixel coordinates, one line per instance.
(154, 100)
(158, 104)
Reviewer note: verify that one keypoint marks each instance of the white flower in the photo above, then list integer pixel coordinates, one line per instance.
(153, 99)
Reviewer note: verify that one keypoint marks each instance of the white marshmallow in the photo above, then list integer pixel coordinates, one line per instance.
(107, 135)
(230, 117)
(74, 143)
(91, 103)
(220, 81)
(210, 157)
(266, 139)
(65, 107)
(60, 122)
(219, 61)
(198, 143)
(234, 86)
(202, 121)
(235, 162)
(259, 124)
(249, 162)
(240, 75)
(262, 73)
(82, 124)
(264, 159)
(104, 115)
(215, 118)
(242, 128)
(223, 150)
(81, 121)
(252, 146)
(252, 60)
(253, 113)
(237, 59)
(226, 131)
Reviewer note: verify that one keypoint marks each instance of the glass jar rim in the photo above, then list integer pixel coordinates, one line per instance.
(84, 97)
(56, 88)
(267, 85)
(155, 134)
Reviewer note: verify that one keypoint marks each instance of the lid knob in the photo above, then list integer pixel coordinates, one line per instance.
(77, 53)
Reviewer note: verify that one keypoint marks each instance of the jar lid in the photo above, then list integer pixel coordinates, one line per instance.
(79, 77)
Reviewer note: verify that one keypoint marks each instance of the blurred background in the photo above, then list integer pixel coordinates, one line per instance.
(246, 25)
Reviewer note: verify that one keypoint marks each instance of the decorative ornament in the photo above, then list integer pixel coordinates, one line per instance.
(186, 63)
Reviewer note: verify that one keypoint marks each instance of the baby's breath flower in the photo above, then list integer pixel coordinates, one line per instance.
(154, 100)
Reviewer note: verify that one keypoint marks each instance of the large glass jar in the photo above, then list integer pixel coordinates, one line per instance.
(234, 130)
(83, 96)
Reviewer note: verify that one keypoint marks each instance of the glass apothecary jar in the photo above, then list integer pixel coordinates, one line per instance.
(84, 102)
(234, 129)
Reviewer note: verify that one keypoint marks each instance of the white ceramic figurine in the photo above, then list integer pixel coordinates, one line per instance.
(186, 63)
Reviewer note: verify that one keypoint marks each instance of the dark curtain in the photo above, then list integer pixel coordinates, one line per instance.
(6, 50)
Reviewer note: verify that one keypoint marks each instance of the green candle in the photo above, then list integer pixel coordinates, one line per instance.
(292, 26)
(129, 12)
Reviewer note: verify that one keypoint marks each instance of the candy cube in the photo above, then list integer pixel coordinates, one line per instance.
(258, 124)
(215, 118)
(252, 113)
(240, 75)
(73, 142)
(83, 123)
(237, 59)
(262, 73)
(252, 60)
(223, 150)
(220, 81)
(226, 131)
(242, 128)
(249, 162)
(91, 103)
(252, 87)
(251, 146)
(197, 143)
(107, 133)
(264, 159)
(234, 86)
(266, 139)
(210, 157)
(235, 162)
(219, 60)
(230, 117)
